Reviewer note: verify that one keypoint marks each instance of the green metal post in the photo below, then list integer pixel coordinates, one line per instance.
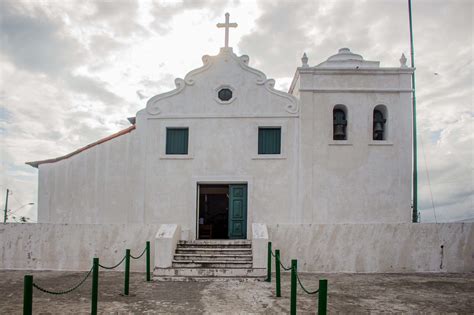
(415, 148)
(148, 272)
(294, 270)
(127, 272)
(323, 297)
(95, 285)
(277, 272)
(28, 295)
(269, 263)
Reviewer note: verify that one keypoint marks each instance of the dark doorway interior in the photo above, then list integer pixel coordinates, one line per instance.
(213, 211)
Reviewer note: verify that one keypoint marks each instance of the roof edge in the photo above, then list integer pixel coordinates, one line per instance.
(115, 135)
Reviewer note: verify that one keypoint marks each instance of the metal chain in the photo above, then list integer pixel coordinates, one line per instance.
(297, 277)
(66, 291)
(302, 287)
(113, 267)
(138, 256)
(284, 268)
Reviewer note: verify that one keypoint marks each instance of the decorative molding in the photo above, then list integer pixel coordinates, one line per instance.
(245, 59)
(269, 157)
(352, 71)
(380, 143)
(176, 157)
(403, 61)
(152, 105)
(356, 90)
(223, 116)
(269, 84)
(340, 143)
(291, 106)
(207, 62)
(304, 61)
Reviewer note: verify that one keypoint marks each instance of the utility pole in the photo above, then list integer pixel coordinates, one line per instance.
(6, 207)
(415, 149)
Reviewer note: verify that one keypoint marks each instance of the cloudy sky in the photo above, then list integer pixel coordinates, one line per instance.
(72, 71)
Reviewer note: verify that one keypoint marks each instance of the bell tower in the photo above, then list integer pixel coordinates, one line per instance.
(355, 152)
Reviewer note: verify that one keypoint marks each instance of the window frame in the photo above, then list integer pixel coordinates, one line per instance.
(262, 128)
(168, 129)
(271, 123)
(161, 140)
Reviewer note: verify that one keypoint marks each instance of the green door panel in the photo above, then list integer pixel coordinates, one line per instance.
(238, 211)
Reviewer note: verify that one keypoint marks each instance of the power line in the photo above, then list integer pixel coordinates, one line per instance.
(428, 178)
(14, 197)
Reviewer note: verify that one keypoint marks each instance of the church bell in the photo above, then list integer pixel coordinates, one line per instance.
(339, 131)
(340, 123)
(379, 122)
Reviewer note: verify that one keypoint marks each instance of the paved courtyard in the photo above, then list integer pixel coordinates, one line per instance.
(348, 293)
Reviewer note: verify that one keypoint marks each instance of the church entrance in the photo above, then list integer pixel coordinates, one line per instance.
(222, 211)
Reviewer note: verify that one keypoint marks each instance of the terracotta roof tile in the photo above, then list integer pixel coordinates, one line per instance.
(115, 135)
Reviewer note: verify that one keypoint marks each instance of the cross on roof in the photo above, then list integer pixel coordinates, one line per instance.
(226, 25)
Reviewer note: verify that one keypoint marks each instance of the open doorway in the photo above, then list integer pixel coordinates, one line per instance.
(213, 211)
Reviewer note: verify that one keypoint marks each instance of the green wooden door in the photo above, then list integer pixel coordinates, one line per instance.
(238, 211)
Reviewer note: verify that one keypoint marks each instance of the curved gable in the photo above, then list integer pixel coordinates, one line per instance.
(197, 94)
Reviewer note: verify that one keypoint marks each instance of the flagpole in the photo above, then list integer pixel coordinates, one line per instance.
(415, 150)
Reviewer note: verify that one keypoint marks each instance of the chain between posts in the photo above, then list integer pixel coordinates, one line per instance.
(29, 283)
(65, 291)
(113, 267)
(302, 287)
(295, 281)
(138, 257)
(284, 268)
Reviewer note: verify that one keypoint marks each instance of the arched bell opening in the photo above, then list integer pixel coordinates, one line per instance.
(339, 115)
(379, 125)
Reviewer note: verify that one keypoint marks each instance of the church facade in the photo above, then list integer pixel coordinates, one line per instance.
(225, 149)
(223, 164)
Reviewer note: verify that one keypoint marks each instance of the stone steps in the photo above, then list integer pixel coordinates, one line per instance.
(218, 243)
(211, 272)
(205, 260)
(207, 279)
(213, 251)
(194, 257)
(214, 246)
(211, 264)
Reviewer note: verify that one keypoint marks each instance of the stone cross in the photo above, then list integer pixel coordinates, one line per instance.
(226, 25)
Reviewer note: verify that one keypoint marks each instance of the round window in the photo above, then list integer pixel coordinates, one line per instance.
(224, 94)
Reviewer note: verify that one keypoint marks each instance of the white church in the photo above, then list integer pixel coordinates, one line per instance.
(322, 170)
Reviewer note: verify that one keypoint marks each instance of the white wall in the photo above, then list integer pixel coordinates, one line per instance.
(99, 185)
(314, 180)
(318, 248)
(72, 246)
(402, 247)
(131, 179)
(357, 180)
(223, 151)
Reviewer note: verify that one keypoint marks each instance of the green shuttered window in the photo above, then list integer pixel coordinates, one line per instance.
(269, 140)
(177, 140)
